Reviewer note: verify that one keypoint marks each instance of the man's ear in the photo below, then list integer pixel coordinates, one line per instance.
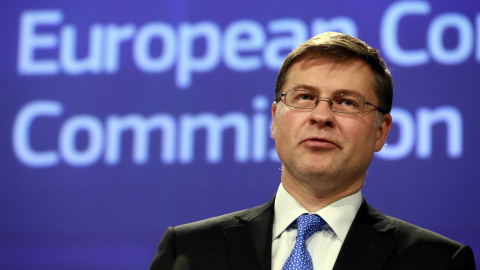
(382, 131)
(274, 117)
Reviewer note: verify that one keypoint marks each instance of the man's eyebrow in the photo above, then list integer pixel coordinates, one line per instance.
(305, 87)
(348, 91)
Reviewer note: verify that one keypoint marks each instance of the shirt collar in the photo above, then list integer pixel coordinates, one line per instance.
(339, 215)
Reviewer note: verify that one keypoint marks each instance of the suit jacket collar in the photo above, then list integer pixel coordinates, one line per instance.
(368, 245)
(369, 242)
(249, 244)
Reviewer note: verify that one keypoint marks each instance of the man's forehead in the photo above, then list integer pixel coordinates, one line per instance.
(333, 66)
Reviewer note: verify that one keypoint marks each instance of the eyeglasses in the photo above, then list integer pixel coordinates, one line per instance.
(342, 103)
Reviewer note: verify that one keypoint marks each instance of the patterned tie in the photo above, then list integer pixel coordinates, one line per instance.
(300, 257)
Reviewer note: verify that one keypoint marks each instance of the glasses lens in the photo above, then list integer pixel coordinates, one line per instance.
(302, 99)
(347, 104)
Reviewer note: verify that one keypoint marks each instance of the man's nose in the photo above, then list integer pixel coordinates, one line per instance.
(320, 99)
(327, 105)
(322, 114)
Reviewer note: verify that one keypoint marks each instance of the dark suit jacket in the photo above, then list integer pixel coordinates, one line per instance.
(242, 240)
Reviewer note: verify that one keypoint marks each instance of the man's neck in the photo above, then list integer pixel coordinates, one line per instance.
(315, 195)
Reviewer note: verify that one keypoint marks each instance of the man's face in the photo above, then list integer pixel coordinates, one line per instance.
(327, 149)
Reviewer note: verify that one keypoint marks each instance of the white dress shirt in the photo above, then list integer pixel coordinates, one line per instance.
(323, 245)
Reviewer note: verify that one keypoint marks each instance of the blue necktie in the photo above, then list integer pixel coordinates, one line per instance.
(300, 257)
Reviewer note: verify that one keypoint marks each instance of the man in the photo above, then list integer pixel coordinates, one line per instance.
(333, 97)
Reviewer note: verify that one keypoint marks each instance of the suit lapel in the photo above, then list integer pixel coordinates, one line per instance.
(369, 242)
(249, 243)
(368, 245)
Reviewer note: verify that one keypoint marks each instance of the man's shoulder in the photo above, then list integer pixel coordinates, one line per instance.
(211, 223)
(223, 221)
(403, 245)
(413, 234)
(415, 242)
(208, 242)
(408, 234)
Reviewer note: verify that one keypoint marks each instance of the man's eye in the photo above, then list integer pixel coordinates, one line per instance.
(306, 97)
(348, 102)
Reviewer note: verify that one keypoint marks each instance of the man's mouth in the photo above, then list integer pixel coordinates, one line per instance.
(319, 142)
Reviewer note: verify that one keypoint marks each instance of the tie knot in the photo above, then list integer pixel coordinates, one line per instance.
(308, 224)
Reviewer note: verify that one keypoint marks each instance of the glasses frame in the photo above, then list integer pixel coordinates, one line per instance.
(330, 102)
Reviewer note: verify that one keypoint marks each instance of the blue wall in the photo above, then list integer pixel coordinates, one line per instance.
(121, 118)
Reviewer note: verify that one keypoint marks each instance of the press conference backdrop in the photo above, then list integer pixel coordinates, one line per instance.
(121, 118)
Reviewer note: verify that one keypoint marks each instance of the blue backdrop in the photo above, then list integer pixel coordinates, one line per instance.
(121, 118)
